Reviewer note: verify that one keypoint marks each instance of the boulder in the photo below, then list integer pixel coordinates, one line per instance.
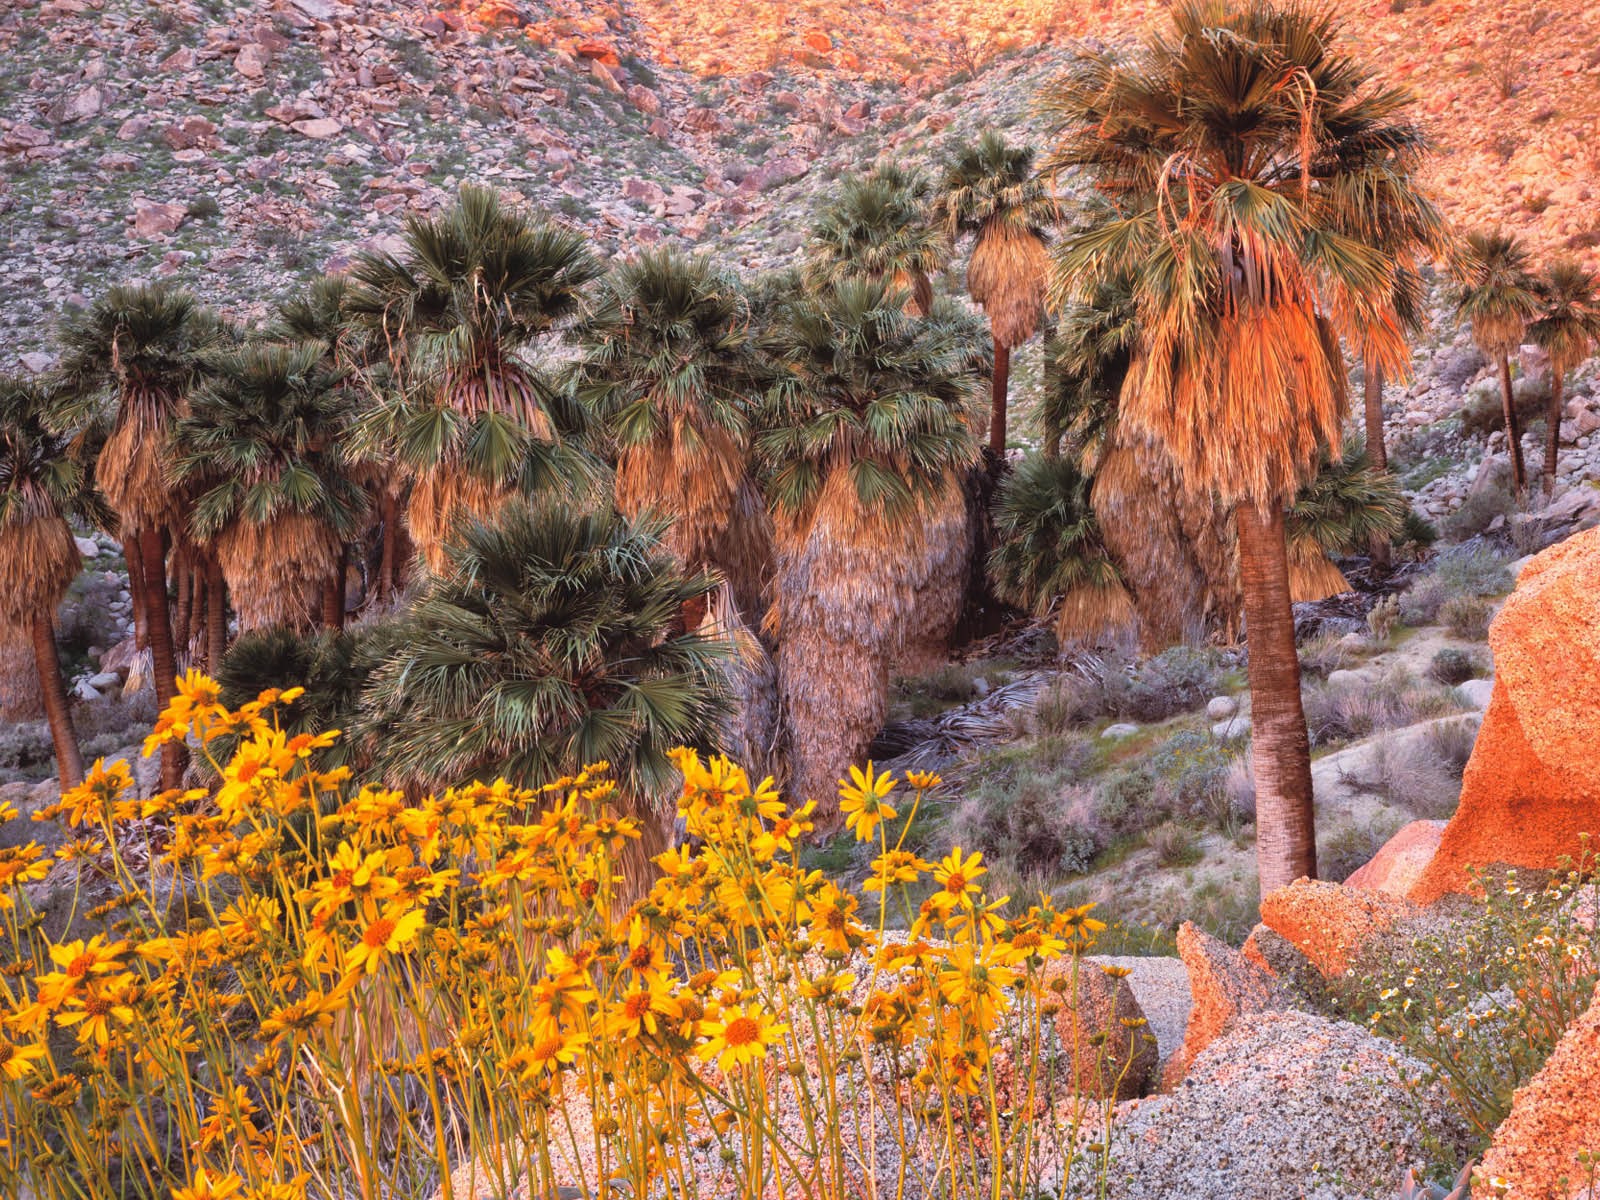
(1533, 782)
(1476, 693)
(1287, 1104)
(151, 219)
(1553, 1118)
(1220, 708)
(1104, 1036)
(1399, 863)
(191, 133)
(1225, 987)
(1281, 958)
(318, 128)
(1120, 729)
(1234, 729)
(1329, 922)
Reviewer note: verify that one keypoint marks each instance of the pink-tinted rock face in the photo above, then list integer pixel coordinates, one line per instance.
(1225, 986)
(1533, 783)
(1330, 922)
(1395, 869)
(1553, 1119)
(1103, 1032)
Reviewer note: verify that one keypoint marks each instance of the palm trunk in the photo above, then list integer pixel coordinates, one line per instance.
(1519, 473)
(141, 619)
(152, 570)
(1286, 843)
(1377, 452)
(216, 615)
(997, 414)
(69, 757)
(21, 698)
(333, 595)
(1552, 445)
(183, 616)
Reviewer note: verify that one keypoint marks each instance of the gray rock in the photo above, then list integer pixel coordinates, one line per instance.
(1220, 708)
(1234, 729)
(87, 547)
(1288, 1104)
(86, 692)
(1121, 729)
(1346, 679)
(1476, 692)
(104, 681)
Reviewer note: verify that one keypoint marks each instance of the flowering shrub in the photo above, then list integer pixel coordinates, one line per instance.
(307, 988)
(1483, 1001)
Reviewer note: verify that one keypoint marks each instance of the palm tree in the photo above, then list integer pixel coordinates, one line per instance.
(477, 290)
(145, 346)
(1348, 505)
(1226, 146)
(547, 642)
(262, 445)
(668, 367)
(1051, 555)
(990, 191)
(879, 227)
(1496, 292)
(1567, 328)
(867, 432)
(42, 482)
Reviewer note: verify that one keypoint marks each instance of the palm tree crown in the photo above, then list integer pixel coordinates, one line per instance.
(879, 228)
(1567, 328)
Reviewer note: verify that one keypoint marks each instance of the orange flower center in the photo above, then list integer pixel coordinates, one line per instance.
(741, 1031)
(547, 1049)
(79, 967)
(956, 884)
(636, 1005)
(378, 933)
(641, 957)
(835, 920)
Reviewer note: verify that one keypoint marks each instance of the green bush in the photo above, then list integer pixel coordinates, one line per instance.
(1476, 572)
(1036, 826)
(1177, 680)
(1478, 511)
(1453, 666)
(1485, 411)
(1482, 1000)
(1466, 617)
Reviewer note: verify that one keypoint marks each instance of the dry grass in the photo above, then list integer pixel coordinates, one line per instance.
(131, 471)
(275, 571)
(1006, 278)
(440, 499)
(1312, 574)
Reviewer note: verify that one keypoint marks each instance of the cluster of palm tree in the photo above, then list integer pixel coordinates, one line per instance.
(1507, 300)
(591, 513)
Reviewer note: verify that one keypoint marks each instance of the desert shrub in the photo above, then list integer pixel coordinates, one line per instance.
(1066, 702)
(1466, 617)
(26, 751)
(1382, 617)
(275, 1024)
(1452, 665)
(1125, 801)
(1351, 845)
(1036, 826)
(1482, 1000)
(1408, 773)
(1190, 768)
(1451, 743)
(1474, 572)
(1325, 653)
(1484, 411)
(1343, 713)
(1478, 511)
(1174, 681)
(1417, 534)
(1174, 844)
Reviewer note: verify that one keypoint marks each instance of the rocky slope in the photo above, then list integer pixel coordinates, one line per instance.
(244, 145)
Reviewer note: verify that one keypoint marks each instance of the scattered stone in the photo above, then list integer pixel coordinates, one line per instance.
(1225, 986)
(191, 133)
(318, 128)
(1104, 1036)
(37, 361)
(252, 60)
(151, 219)
(1329, 922)
(87, 547)
(1120, 729)
(647, 191)
(819, 41)
(103, 681)
(1399, 863)
(599, 52)
(1346, 679)
(644, 99)
(22, 137)
(1476, 693)
(1235, 729)
(1287, 1104)
(1220, 708)
(1532, 785)
(84, 104)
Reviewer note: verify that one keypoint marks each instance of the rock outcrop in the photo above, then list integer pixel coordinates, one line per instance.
(1396, 867)
(1104, 1036)
(1533, 783)
(1225, 987)
(1553, 1119)
(1330, 922)
(1289, 1104)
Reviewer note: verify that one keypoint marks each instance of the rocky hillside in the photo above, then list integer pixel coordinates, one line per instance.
(244, 146)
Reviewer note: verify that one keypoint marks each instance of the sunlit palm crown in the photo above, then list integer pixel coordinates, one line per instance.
(867, 389)
(1495, 289)
(263, 437)
(1247, 163)
(1568, 324)
(546, 643)
(879, 227)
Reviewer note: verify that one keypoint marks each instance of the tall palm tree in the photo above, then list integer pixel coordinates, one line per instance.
(879, 227)
(1567, 328)
(1497, 293)
(866, 434)
(261, 444)
(668, 367)
(1225, 144)
(478, 291)
(145, 346)
(43, 481)
(549, 641)
(990, 191)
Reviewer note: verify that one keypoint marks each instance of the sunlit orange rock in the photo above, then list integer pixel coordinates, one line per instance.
(600, 52)
(1225, 986)
(1329, 922)
(1553, 1118)
(819, 41)
(1397, 866)
(1533, 782)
